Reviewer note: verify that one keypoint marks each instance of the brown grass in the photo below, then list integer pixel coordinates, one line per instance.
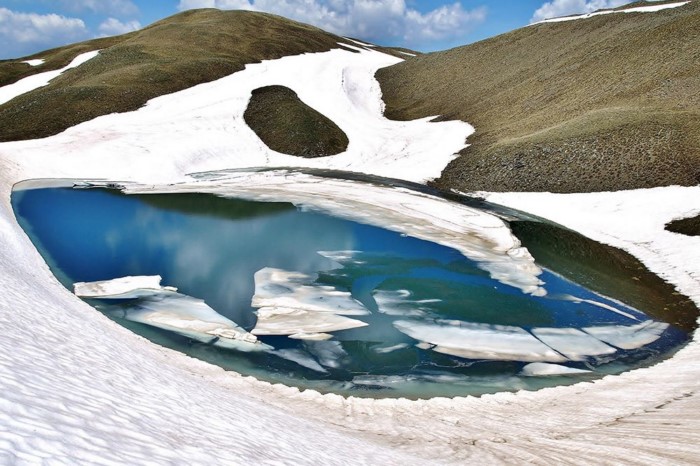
(606, 103)
(287, 125)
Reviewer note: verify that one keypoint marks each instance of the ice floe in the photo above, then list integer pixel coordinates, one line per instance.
(164, 308)
(539, 369)
(629, 337)
(289, 303)
(38, 80)
(479, 341)
(396, 303)
(121, 288)
(572, 343)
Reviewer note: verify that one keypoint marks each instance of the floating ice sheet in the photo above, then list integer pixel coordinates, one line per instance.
(286, 321)
(479, 341)
(276, 288)
(121, 288)
(573, 343)
(538, 369)
(629, 337)
(164, 308)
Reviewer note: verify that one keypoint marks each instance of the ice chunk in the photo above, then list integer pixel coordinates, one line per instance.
(389, 349)
(300, 357)
(328, 353)
(629, 337)
(294, 290)
(286, 321)
(538, 369)
(289, 304)
(397, 303)
(479, 341)
(573, 343)
(121, 288)
(164, 308)
(311, 336)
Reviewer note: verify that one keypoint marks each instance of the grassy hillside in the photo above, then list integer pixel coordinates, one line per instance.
(606, 103)
(286, 124)
(173, 54)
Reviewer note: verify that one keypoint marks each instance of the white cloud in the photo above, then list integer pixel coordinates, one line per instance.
(382, 21)
(557, 8)
(120, 8)
(114, 27)
(24, 33)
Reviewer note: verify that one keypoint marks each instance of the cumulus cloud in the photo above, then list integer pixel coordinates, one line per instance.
(114, 27)
(24, 33)
(383, 21)
(120, 8)
(557, 8)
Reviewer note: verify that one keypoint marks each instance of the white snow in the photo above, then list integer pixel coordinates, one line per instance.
(639, 9)
(78, 388)
(38, 80)
(35, 62)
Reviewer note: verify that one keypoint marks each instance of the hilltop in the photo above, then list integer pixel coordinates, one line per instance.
(608, 102)
(179, 52)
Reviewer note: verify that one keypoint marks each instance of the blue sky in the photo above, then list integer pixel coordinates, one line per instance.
(29, 26)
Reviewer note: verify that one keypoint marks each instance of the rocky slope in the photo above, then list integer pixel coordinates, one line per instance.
(603, 103)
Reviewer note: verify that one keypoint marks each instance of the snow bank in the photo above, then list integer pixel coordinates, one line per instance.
(36, 62)
(36, 81)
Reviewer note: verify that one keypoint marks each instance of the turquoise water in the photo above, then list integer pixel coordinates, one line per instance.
(211, 248)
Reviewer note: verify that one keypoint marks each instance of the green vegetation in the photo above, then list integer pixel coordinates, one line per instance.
(685, 226)
(605, 103)
(287, 125)
(173, 54)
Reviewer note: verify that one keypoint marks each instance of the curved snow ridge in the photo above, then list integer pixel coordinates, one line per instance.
(478, 235)
(634, 221)
(36, 81)
(204, 125)
(639, 9)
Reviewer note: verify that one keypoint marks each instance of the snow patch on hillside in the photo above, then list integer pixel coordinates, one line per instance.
(36, 81)
(205, 123)
(639, 9)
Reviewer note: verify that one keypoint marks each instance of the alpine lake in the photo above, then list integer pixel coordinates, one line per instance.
(322, 302)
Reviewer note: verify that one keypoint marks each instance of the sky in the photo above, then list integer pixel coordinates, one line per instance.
(30, 26)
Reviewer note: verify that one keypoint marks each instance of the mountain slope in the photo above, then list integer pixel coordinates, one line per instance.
(606, 103)
(176, 53)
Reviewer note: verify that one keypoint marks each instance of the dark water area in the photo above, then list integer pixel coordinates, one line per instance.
(414, 292)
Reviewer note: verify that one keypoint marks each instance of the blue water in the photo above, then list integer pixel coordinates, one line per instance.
(210, 248)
